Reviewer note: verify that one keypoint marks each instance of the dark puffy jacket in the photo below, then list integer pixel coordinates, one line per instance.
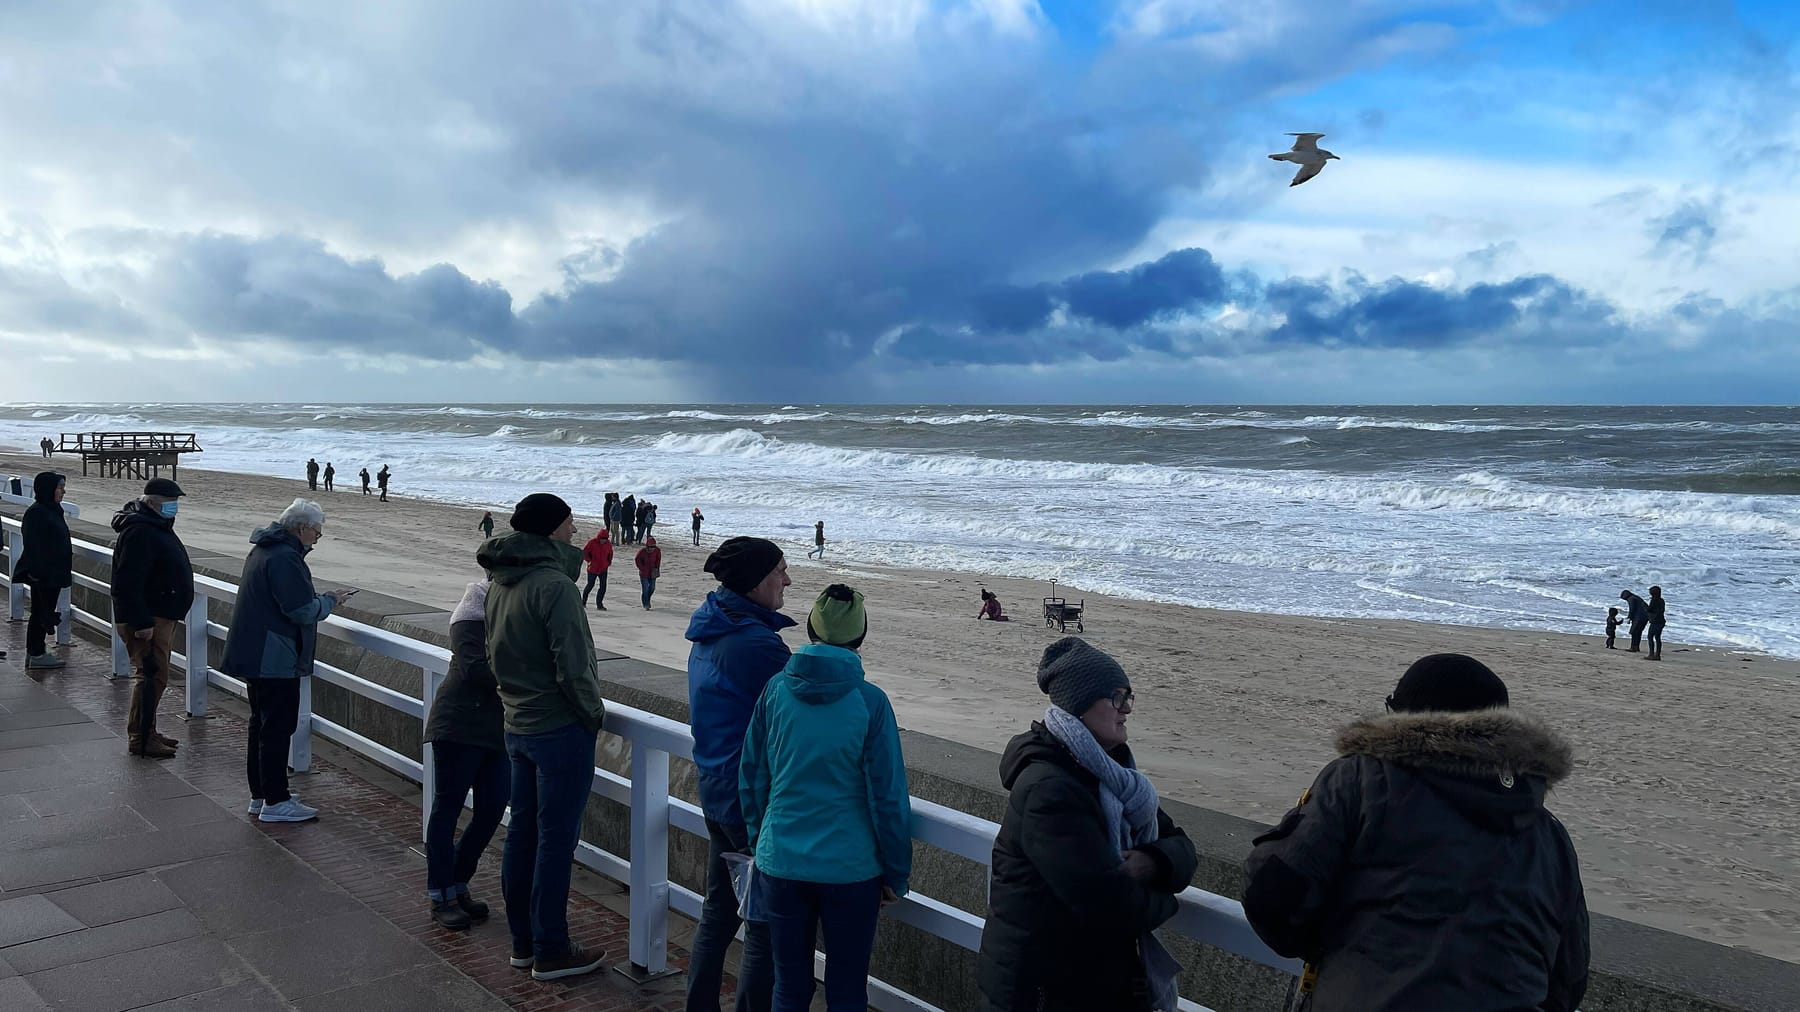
(467, 709)
(1063, 918)
(1635, 607)
(151, 575)
(737, 650)
(1421, 870)
(48, 558)
(274, 625)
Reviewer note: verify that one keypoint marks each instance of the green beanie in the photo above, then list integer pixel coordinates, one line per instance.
(838, 618)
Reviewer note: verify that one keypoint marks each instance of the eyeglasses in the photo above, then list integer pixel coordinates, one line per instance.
(1122, 699)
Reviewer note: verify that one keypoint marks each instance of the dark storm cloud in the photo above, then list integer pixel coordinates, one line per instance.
(1406, 314)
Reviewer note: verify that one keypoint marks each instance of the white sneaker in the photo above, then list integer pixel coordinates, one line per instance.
(290, 810)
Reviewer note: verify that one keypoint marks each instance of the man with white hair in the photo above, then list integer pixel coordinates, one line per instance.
(270, 645)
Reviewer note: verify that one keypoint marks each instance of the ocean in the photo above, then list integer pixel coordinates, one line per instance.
(1523, 517)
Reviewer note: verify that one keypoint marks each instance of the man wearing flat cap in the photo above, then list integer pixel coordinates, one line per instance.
(542, 653)
(737, 649)
(152, 588)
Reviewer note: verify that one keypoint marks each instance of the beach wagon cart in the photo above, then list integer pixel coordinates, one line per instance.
(1060, 613)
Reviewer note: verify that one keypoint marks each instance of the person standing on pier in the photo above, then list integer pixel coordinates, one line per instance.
(152, 589)
(46, 566)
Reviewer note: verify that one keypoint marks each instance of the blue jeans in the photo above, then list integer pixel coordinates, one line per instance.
(450, 864)
(797, 910)
(552, 774)
(1656, 629)
(649, 588)
(718, 925)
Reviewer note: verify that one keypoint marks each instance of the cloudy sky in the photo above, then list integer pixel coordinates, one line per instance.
(899, 200)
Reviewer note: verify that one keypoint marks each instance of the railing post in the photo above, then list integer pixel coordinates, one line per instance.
(15, 595)
(197, 649)
(300, 746)
(433, 682)
(121, 657)
(648, 949)
(65, 632)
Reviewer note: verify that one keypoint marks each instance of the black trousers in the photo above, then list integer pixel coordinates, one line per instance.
(44, 618)
(595, 580)
(274, 713)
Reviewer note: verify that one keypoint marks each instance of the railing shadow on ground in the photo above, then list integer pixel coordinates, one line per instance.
(1205, 917)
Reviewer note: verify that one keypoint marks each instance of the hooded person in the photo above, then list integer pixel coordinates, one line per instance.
(822, 783)
(541, 651)
(1421, 869)
(737, 649)
(1086, 864)
(627, 518)
(152, 589)
(1638, 611)
(598, 553)
(649, 566)
(46, 565)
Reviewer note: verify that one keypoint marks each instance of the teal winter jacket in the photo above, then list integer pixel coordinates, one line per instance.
(822, 781)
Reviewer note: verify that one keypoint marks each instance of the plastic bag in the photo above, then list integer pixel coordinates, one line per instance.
(743, 882)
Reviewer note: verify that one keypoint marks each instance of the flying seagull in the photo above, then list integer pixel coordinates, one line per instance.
(1307, 154)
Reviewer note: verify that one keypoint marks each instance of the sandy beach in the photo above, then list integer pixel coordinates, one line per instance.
(1682, 804)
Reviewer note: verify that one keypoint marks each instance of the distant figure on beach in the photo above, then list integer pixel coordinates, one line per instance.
(697, 521)
(381, 479)
(1613, 621)
(646, 517)
(649, 567)
(990, 608)
(364, 473)
(47, 445)
(312, 474)
(1421, 869)
(1086, 864)
(598, 554)
(627, 518)
(486, 524)
(46, 565)
(1639, 613)
(1656, 615)
(330, 477)
(152, 589)
(610, 515)
(818, 548)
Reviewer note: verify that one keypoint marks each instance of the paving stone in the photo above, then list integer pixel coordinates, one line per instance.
(141, 977)
(190, 810)
(28, 736)
(246, 996)
(6, 969)
(87, 797)
(33, 757)
(116, 899)
(93, 943)
(107, 858)
(18, 996)
(79, 827)
(29, 918)
(49, 716)
(307, 959)
(243, 892)
(426, 989)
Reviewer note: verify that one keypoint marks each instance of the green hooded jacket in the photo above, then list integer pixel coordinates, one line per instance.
(538, 640)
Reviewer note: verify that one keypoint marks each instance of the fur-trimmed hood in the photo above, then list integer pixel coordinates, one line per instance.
(1483, 744)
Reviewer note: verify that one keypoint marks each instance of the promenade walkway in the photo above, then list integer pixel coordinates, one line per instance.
(129, 883)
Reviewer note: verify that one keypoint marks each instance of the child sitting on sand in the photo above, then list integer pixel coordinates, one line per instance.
(990, 608)
(1613, 621)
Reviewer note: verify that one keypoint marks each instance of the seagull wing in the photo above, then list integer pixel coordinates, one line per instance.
(1306, 172)
(1306, 142)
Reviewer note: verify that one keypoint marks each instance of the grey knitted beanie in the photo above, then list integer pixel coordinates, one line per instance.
(1076, 675)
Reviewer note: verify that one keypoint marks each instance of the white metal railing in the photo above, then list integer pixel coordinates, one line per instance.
(1205, 917)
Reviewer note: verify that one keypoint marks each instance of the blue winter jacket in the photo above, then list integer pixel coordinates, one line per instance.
(274, 625)
(822, 781)
(737, 649)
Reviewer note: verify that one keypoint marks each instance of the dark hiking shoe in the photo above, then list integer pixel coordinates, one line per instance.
(477, 910)
(447, 913)
(573, 963)
(597, 607)
(165, 739)
(154, 750)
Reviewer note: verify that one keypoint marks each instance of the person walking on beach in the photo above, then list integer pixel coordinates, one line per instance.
(312, 475)
(990, 608)
(1656, 614)
(273, 637)
(46, 565)
(466, 729)
(823, 786)
(818, 547)
(364, 474)
(381, 479)
(627, 517)
(598, 553)
(649, 567)
(1639, 613)
(737, 649)
(1612, 628)
(47, 446)
(1086, 864)
(541, 651)
(1421, 869)
(330, 476)
(152, 589)
(486, 523)
(698, 519)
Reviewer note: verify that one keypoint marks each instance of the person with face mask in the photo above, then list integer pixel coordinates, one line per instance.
(152, 588)
(541, 650)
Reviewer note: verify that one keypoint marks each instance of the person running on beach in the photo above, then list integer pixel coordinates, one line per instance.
(1421, 870)
(598, 553)
(312, 474)
(990, 608)
(1612, 627)
(697, 520)
(381, 479)
(649, 567)
(364, 473)
(330, 476)
(1656, 614)
(486, 525)
(818, 548)
(1639, 613)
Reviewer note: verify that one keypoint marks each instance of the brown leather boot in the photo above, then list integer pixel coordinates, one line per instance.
(154, 750)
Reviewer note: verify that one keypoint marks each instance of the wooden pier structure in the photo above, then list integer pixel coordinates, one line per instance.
(130, 454)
